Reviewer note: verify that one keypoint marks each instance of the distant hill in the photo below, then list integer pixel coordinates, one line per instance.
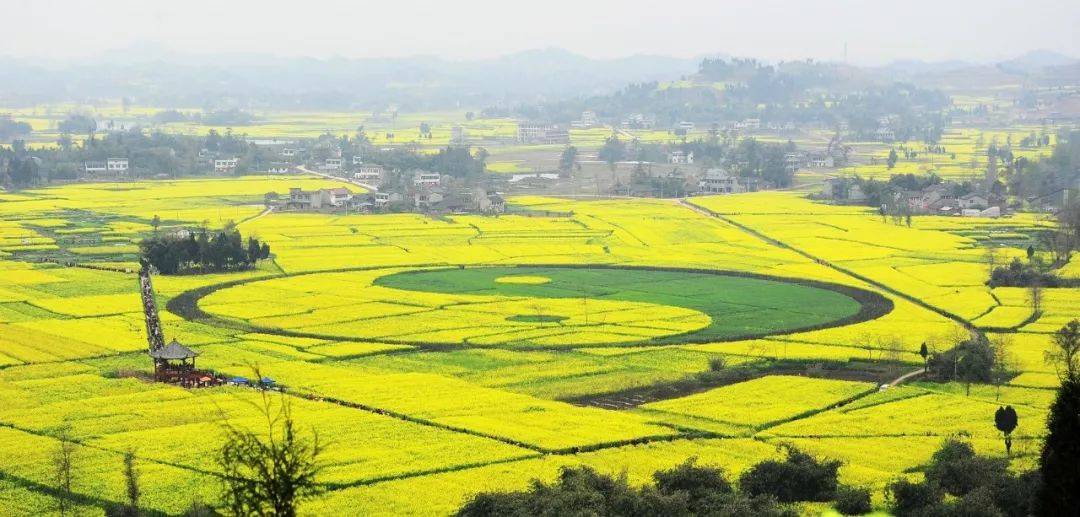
(152, 75)
(1035, 61)
(1038, 66)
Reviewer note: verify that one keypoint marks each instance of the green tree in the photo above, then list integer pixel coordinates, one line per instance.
(63, 463)
(1060, 491)
(613, 151)
(567, 160)
(65, 142)
(131, 482)
(891, 161)
(1006, 420)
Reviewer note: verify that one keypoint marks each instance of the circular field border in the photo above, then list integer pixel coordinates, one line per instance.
(872, 305)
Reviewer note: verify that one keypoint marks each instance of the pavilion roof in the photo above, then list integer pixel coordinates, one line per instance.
(174, 350)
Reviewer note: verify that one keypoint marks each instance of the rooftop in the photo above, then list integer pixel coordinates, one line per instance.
(173, 351)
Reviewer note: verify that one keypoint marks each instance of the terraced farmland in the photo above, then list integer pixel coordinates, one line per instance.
(446, 356)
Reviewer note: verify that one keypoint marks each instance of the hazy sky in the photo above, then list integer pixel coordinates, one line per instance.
(875, 31)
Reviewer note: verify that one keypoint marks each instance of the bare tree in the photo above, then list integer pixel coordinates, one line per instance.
(1003, 361)
(1035, 297)
(1065, 354)
(539, 314)
(63, 459)
(990, 257)
(269, 473)
(892, 350)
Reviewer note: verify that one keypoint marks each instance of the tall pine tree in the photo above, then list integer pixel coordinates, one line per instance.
(1060, 492)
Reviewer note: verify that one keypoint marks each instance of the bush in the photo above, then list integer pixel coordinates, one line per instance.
(716, 364)
(970, 361)
(980, 486)
(977, 503)
(958, 470)
(913, 498)
(683, 491)
(853, 501)
(697, 482)
(798, 478)
(1018, 274)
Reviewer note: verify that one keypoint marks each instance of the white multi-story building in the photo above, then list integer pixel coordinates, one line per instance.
(117, 165)
(427, 179)
(720, 181)
(368, 173)
(680, 158)
(226, 165)
(95, 167)
(332, 164)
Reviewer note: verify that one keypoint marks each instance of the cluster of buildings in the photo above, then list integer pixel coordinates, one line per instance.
(945, 198)
(428, 192)
(940, 199)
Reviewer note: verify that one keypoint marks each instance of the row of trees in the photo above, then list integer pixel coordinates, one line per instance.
(798, 92)
(1044, 180)
(746, 157)
(202, 251)
(18, 169)
(153, 153)
(11, 129)
(766, 489)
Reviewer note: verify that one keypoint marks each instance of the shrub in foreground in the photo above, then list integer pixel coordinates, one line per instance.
(685, 490)
(853, 501)
(975, 485)
(799, 477)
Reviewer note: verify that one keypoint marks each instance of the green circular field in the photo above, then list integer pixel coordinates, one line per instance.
(638, 305)
(532, 306)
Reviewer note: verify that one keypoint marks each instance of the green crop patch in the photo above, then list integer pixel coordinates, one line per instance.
(635, 305)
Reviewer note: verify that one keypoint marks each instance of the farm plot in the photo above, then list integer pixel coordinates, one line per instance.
(538, 306)
(764, 401)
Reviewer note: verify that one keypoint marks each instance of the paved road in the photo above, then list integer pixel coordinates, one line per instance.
(368, 186)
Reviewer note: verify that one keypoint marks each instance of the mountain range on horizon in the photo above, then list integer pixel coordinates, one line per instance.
(153, 74)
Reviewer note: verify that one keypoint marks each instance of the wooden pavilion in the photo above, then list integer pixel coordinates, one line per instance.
(173, 363)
